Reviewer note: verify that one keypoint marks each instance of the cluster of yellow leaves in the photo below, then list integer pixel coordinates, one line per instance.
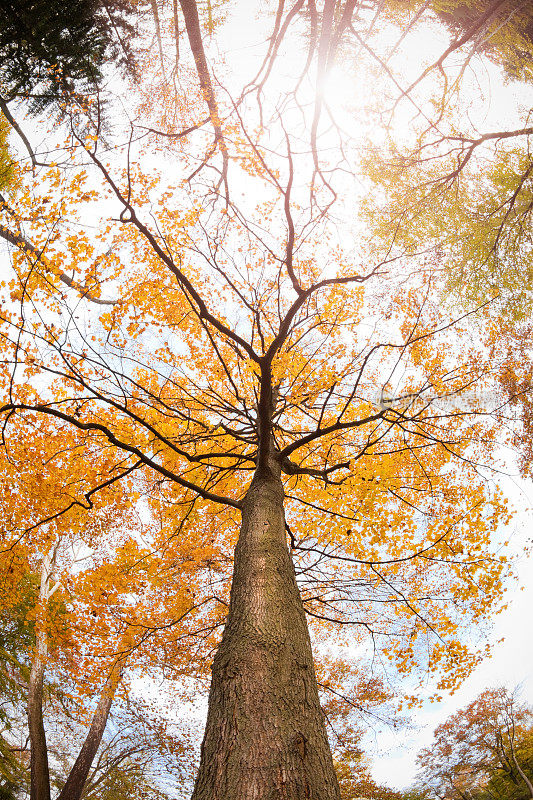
(123, 588)
(476, 223)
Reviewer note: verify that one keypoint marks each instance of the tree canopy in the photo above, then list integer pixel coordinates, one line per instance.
(226, 361)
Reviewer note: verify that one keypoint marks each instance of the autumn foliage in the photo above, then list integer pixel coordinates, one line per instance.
(182, 324)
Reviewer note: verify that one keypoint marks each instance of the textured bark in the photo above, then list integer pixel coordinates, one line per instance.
(40, 776)
(265, 737)
(39, 772)
(73, 788)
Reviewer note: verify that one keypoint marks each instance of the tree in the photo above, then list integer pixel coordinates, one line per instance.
(63, 671)
(479, 743)
(128, 758)
(460, 183)
(53, 50)
(13, 673)
(505, 33)
(458, 186)
(52, 54)
(263, 380)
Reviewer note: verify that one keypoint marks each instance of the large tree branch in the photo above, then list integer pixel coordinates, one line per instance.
(319, 432)
(177, 134)
(143, 458)
(16, 127)
(192, 24)
(290, 468)
(75, 375)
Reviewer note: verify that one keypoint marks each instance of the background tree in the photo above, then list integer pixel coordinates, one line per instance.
(463, 165)
(458, 185)
(92, 619)
(501, 30)
(484, 750)
(51, 51)
(15, 639)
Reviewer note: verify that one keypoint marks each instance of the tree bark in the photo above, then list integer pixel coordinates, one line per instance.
(265, 736)
(40, 776)
(73, 788)
(39, 771)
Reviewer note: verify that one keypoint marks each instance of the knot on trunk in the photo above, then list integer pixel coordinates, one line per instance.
(299, 745)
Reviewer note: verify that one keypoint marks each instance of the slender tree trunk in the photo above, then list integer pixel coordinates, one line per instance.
(510, 736)
(176, 34)
(40, 776)
(265, 736)
(39, 772)
(73, 788)
(155, 13)
(524, 776)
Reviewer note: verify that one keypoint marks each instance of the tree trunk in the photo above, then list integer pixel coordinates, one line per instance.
(39, 771)
(73, 788)
(510, 737)
(265, 736)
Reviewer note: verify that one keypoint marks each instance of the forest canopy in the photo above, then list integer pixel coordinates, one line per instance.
(264, 346)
